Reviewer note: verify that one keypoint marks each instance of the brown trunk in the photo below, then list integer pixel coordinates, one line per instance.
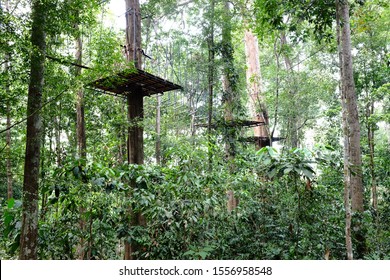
(253, 77)
(29, 230)
(135, 145)
(133, 32)
(135, 153)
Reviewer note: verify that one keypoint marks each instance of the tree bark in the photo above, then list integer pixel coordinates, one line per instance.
(135, 145)
(8, 133)
(292, 119)
(80, 132)
(256, 101)
(8, 138)
(29, 230)
(370, 107)
(352, 120)
(347, 187)
(158, 130)
(81, 138)
(229, 86)
(133, 32)
(211, 60)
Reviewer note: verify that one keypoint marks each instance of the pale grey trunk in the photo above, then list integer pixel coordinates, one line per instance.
(352, 157)
(348, 82)
(29, 230)
(371, 144)
(293, 83)
(347, 188)
(81, 136)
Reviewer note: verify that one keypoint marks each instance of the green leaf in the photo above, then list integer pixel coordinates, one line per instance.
(18, 203)
(309, 174)
(11, 203)
(287, 170)
(330, 148)
(272, 173)
(203, 254)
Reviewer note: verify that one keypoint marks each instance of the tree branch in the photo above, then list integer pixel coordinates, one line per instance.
(25, 119)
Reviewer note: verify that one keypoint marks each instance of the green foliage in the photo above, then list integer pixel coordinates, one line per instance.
(290, 200)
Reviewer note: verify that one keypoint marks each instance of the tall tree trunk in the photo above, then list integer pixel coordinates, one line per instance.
(80, 131)
(133, 32)
(292, 119)
(354, 152)
(158, 130)
(8, 133)
(8, 138)
(347, 187)
(229, 87)
(135, 146)
(256, 101)
(211, 58)
(230, 100)
(29, 230)
(371, 145)
(81, 138)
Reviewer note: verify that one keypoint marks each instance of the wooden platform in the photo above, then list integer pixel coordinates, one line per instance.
(260, 138)
(233, 123)
(134, 81)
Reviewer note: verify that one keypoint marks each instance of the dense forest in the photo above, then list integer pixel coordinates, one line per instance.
(195, 129)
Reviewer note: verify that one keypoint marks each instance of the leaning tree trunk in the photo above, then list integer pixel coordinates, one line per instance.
(354, 152)
(256, 101)
(29, 231)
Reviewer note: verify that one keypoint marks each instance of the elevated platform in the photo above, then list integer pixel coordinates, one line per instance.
(254, 139)
(233, 123)
(134, 81)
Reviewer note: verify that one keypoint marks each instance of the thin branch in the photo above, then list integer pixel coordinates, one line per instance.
(25, 119)
(2, 149)
(61, 61)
